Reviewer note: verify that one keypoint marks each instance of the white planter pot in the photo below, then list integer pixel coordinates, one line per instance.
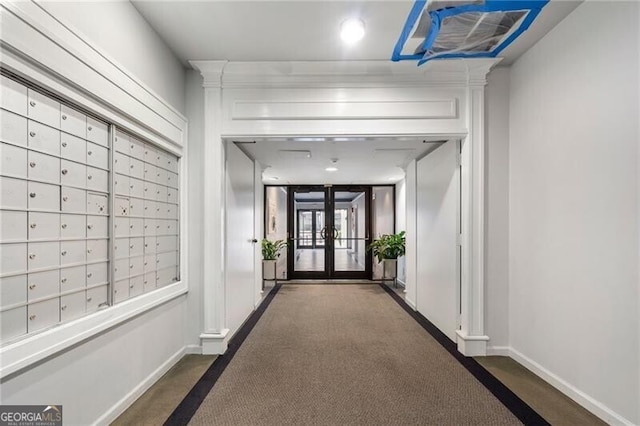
(389, 269)
(269, 269)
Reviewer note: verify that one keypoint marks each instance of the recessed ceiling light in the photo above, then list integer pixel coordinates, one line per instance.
(331, 169)
(352, 30)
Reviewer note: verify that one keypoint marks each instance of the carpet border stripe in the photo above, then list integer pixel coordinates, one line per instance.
(509, 399)
(188, 407)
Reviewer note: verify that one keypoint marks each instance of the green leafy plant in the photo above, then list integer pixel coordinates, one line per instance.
(388, 246)
(271, 249)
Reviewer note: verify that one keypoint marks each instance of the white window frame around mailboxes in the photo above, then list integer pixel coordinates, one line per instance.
(62, 63)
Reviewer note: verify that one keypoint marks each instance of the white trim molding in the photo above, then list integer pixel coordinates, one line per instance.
(497, 351)
(470, 345)
(32, 349)
(470, 338)
(411, 303)
(274, 99)
(193, 350)
(215, 332)
(308, 74)
(594, 406)
(131, 397)
(215, 343)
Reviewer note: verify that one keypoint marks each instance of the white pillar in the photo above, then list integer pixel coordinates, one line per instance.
(214, 335)
(471, 338)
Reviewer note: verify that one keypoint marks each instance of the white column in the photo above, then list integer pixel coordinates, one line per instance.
(214, 335)
(471, 338)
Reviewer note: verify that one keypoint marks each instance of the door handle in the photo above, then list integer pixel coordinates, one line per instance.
(253, 240)
(323, 233)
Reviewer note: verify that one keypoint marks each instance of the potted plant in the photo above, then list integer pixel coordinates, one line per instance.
(387, 249)
(270, 254)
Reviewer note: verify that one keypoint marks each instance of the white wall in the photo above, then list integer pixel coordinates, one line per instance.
(438, 225)
(117, 29)
(195, 185)
(497, 210)
(93, 377)
(573, 207)
(401, 224)
(411, 258)
(278, 196)
(383, 218)
(239, 233)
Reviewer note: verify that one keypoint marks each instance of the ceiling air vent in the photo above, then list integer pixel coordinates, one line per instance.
(294, 154)
(463, 29)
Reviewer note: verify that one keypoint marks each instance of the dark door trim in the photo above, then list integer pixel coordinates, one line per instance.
(367, 273)
(291, 232)
(314, 229)
(329, 271)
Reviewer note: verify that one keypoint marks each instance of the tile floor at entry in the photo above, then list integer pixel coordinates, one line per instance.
(313, 260)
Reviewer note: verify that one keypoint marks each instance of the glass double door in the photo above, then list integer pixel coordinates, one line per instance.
(329, 230)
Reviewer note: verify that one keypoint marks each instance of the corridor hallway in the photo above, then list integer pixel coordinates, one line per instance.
(343, 354)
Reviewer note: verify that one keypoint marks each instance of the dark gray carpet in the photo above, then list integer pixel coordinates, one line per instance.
(345, 355)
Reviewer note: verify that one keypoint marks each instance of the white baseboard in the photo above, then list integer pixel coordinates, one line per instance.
(215, 343)
(193, 350)
(498, 350)
(588, 402)
(119, 408)
(410, 303)
(471, 345)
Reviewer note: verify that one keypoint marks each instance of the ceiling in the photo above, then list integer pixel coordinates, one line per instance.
(359, 160)
(298, 30)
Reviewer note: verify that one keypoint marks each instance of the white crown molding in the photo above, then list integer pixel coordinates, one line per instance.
(305, 74)
(211, 72)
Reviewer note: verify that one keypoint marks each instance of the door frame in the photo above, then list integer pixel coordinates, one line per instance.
(292, 232)
(314, 227)
(329, 271)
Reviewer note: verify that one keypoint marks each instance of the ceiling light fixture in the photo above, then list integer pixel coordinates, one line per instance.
(331, 169)
(352, 30)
